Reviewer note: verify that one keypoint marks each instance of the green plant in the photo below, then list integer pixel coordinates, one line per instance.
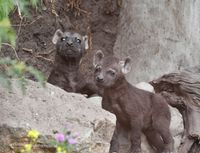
(6, 6)
(13, 68)
(65, 142)
(18, 70)
(6, 32)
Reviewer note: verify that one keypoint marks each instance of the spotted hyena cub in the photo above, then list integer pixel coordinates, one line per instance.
(137, 111)
(70, 47)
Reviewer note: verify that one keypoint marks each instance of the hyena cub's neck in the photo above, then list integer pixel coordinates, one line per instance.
(70, 64)
(121, 87)
(120, 84)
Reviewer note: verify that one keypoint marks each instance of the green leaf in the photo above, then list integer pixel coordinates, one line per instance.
(37, 74)
(14, 68)
(4, 23)
(5, 81)
(7, 33)
(6, 6)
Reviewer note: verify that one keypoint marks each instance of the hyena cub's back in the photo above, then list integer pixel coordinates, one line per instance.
(70, 48)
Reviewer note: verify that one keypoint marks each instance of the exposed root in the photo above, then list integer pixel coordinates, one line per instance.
(19, 25)
(28, 50)
(18, 9)
(39, 55)
(53, 8)
(44, 58)
(48, 53)
(75, 6)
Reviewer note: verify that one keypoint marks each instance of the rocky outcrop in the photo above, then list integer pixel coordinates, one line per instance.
(52, 109)
(160, 36)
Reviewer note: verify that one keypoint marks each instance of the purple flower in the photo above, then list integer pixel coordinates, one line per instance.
(71, 140)
(60, 137)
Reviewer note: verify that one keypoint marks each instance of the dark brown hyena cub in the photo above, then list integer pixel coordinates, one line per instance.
(137, 111)
(70, 48)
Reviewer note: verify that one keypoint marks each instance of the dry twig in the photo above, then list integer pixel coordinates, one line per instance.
(48, 53)
(44, 58)
(18, 25)
(53, 8)
(28, 50)
(39, 54)
(6, 44)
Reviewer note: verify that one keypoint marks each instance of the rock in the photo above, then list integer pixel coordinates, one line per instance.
(145, 86)
(176, 127)
(51, 108)
(160, 36)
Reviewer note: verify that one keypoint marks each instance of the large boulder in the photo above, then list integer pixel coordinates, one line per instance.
(52, 109)
(160, 36)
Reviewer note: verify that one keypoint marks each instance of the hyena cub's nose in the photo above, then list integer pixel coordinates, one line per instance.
(99, 79)
(70, 43)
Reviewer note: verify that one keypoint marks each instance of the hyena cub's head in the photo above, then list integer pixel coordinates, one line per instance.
(70, 44)
(109, 70)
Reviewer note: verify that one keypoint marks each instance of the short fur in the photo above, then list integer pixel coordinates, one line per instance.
(65, 74)
(136, 110)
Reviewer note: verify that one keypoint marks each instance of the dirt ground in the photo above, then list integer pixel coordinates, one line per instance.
(96, 18)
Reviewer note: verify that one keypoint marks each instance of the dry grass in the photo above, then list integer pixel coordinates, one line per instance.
(74, 5)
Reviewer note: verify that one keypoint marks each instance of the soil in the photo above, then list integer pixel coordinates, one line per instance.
(96, 18)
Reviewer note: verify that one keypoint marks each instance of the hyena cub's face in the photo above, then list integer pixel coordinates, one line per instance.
(70, 44)
(109, 70)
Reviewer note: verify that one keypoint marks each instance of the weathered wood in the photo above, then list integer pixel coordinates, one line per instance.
(182, 90)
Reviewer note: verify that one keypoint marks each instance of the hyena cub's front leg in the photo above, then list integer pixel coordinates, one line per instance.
(120, 142)
(114, 143)
(136, 132)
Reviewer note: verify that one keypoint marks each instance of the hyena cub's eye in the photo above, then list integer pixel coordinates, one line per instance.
(62, 38)
(97, 68)
(112, 73)
(78, 40)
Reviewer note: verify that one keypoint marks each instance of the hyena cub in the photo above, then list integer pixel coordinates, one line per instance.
(137, 111)
(70, 48)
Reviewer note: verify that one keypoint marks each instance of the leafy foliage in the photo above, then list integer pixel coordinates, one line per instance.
(13, 68)
(6, 32)
(6, 6)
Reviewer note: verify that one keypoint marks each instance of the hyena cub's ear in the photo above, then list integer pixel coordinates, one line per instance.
(98, 58)
(125, 65)
(85, 40)
(58, 34)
